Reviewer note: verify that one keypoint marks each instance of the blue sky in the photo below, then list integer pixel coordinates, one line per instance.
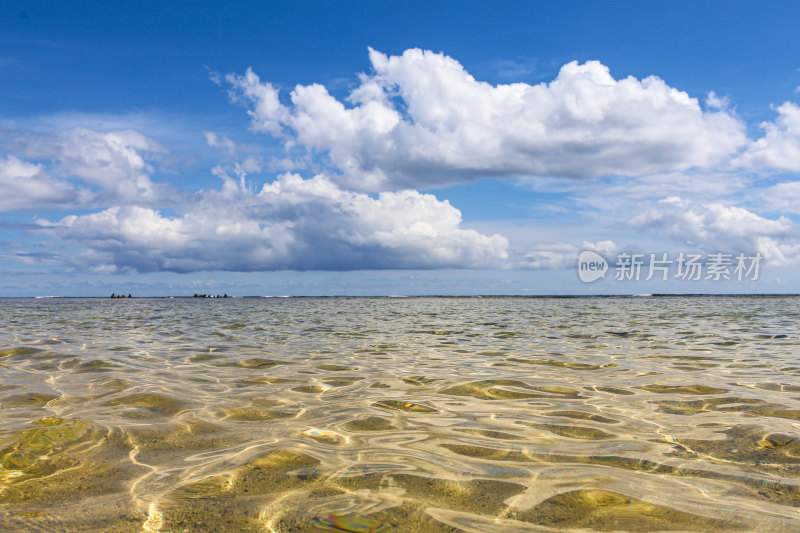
(394, 148)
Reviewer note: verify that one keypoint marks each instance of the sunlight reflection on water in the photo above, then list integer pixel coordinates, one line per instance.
(412, 414)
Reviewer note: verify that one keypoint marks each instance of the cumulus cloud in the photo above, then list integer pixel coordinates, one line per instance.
(714, 226)
(79, 167)
(779, 148)
(415, 121)
(111, 161)
(421, 120)
(291, 223)
(27, 186)
(549, 255)
(553, 255)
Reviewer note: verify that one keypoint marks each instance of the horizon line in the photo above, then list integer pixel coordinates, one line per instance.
(388, 296)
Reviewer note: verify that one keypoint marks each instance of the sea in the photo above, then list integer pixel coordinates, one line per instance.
(418, 414)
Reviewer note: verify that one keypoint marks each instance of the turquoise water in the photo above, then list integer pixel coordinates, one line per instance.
(400, 414)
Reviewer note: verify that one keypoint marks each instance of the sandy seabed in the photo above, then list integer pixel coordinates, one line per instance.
(400, 414)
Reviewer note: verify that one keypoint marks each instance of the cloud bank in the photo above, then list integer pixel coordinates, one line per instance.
(27, 186)
(291, 223)
(420, 120)
(714, 226)
(79, 167)
(417, 121)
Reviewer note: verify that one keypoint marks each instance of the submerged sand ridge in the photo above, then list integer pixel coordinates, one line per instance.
(413, 414)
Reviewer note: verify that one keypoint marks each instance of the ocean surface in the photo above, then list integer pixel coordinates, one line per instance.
(400, 414)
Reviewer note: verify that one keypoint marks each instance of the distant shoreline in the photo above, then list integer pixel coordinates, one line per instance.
(449, 296)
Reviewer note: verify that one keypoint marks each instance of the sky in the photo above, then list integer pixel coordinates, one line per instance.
(399, 148)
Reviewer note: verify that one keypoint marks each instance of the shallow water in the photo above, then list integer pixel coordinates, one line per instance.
(400, 414)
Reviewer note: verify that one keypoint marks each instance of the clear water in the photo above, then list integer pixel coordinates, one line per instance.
(400, 414)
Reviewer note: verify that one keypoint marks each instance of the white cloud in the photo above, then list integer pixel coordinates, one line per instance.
(717, 102)
(112, 161)
(602, 247)
(780, 147)
(27, 186)
(549, 255)
(618, 197)
(783, 197)
(215, 141)
(714, 226)
(778, 253)
(420, 120)
(699, 223)
(79, 167)
(561, 254)
(291, 223)
(267, 112)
